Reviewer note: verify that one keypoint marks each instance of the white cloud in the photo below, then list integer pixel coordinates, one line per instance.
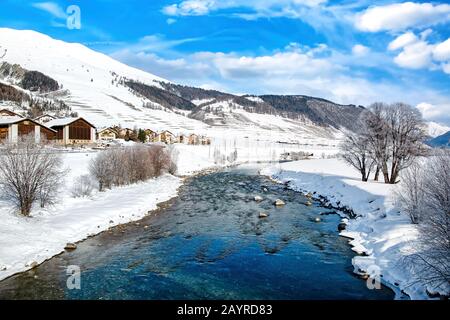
(417, 52)
(51, 7)
(401, 16)
(360, 50)
(436, 112)
(416, 55)
(190, 8)
(442, 51)
(296, 69)
(402, 41)
(261, 8)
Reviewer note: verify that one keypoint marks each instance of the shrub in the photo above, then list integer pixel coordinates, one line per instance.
(117, 167)
(28, 173)
(83, 186)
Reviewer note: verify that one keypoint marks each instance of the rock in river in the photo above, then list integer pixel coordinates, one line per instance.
(70, 246)
(279, 203)
(341, 226)
(263, 215)
(258, 198)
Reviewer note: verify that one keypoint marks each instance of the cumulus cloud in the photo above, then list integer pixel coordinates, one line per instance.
(402, 41)
(442, 51)
(435, 112)
(417, 52)
(401, 16)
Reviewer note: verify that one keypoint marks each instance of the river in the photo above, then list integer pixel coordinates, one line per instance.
(209, 243)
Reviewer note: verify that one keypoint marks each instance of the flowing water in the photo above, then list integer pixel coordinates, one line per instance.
(209, 243)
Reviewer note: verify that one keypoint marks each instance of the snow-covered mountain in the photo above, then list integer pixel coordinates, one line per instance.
(107, 92)
(435, 129)
(442, 141)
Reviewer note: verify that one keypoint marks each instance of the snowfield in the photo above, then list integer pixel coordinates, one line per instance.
(383, 234)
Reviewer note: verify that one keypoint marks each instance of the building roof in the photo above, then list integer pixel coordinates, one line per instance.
(11, 112)
(108, 128)
(14, 120)
(65, 122)
(10, 120)
(44, 115)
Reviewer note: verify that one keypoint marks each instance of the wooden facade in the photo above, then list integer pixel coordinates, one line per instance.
(3, 132)
(15, 129)
(73, 131)
(107, 134)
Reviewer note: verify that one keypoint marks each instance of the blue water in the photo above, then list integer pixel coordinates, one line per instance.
(210, 244)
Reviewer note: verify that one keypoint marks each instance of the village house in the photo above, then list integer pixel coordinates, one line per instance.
(44, 118)
(107, 134)
(182, 139)
(166, 137)
(150, 135)
(193, 139)
(205, 140)
(13, 127)
(73, 131)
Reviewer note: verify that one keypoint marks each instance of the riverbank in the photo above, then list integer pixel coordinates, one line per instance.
(381, 234)
(26, 242)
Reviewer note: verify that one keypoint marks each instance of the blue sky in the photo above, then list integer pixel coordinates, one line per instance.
(347, 51)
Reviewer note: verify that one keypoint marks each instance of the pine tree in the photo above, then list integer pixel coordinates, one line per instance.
(142, 137)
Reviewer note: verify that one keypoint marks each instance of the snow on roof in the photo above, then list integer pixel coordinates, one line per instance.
(63, 122)
(10, 120)
(13, 120)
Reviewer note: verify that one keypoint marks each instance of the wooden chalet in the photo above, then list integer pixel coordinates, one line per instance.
(73, 131)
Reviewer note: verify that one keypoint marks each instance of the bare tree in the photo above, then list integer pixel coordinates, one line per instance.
(376, 132)
(395, 134)
(160, 159)
(29, 172)
(432, 261)
(355, 151)
(174, 156)
(101, 169)
(407, 134)
(411, 194)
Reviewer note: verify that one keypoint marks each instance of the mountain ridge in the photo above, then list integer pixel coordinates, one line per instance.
(108, 92)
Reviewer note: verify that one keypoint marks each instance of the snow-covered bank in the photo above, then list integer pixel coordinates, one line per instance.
(381, 231)
(24, 241)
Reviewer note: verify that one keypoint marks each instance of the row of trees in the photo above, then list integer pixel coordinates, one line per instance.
(118, 167)
(388, 140)
(32, 173)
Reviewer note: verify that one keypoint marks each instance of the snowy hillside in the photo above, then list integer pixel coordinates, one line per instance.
(98, 88)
